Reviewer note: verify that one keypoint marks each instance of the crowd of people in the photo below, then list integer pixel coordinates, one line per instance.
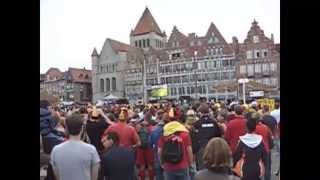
(200, 141)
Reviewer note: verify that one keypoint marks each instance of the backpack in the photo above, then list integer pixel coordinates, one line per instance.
(144, 137)
(173, 149)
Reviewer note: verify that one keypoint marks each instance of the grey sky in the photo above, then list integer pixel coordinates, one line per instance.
(70, 29)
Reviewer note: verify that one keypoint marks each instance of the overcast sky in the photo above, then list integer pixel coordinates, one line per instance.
(70, 29)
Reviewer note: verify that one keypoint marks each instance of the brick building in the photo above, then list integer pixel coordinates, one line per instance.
(190, 65)
(259, 61)
(71, 85)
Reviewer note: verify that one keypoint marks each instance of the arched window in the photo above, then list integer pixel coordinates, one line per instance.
(108, 84)
(101, 85)
(114, 84)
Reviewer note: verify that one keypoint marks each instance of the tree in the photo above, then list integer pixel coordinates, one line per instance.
(44, 95)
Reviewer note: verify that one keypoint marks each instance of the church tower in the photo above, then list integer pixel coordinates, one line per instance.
(147, 33)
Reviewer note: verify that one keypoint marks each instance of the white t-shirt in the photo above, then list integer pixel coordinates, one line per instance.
(276, 114)
(73, 160)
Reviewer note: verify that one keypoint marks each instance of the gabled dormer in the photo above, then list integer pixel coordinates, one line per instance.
(213, 36)
(177, 39)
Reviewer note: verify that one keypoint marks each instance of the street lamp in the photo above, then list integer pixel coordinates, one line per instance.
(243, 81)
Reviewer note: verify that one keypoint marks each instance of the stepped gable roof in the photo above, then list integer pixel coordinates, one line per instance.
(80, 75)
(146, 24)
(255, 30)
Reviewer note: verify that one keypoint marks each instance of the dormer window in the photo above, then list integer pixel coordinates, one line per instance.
(81, 75)
(86, 77)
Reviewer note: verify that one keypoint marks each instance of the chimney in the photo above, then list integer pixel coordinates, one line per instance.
(272, 39)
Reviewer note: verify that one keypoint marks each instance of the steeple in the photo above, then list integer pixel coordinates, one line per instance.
(146, 24)
(94, 53)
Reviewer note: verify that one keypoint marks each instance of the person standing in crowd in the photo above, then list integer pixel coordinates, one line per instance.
(235, 128)
(217, 160)
(276, 112)
(144, 151)
(49, 134)
(269, 120)
(206, 128)
(154, 138)
(128, 136)
(175, 150)
(190, 120)
(75, 159)
(250, 156)
(267, 140)
(116, 162)
(96, 124)
(222, 120)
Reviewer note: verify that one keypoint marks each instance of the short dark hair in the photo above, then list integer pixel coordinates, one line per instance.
(204, 108)
(238, 109)
(277, 105)
(114, 137)
(74, 124)
(252, 120)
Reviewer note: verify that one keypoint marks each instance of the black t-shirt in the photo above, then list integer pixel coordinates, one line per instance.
(118, 163)
(206, 128)
(95, 130)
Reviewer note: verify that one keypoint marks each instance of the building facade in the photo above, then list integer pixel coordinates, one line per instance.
(260, 62)
(71, 85)
(190, 65)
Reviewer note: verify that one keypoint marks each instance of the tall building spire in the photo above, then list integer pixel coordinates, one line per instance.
(146, 24)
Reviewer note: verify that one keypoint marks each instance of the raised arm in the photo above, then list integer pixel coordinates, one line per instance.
(106, 118)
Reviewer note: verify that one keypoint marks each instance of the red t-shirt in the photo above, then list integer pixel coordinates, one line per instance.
(235, 128)
(127, 134)
(184, 163)
(264, 131)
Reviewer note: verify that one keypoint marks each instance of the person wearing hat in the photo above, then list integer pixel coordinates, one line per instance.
(175, 131)
(190, 120)
(206, 129)
(128, 136)
(95, 126)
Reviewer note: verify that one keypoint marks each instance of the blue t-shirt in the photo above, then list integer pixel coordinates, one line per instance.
(118, 163)
(154, 138)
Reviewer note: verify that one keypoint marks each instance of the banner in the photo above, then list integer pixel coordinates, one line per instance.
(268, 102)
(159, 91)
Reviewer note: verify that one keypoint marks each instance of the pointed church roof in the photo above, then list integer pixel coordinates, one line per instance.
(146, 24)
(94, 52)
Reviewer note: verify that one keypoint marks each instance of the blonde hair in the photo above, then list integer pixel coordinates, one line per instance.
(217, 154)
